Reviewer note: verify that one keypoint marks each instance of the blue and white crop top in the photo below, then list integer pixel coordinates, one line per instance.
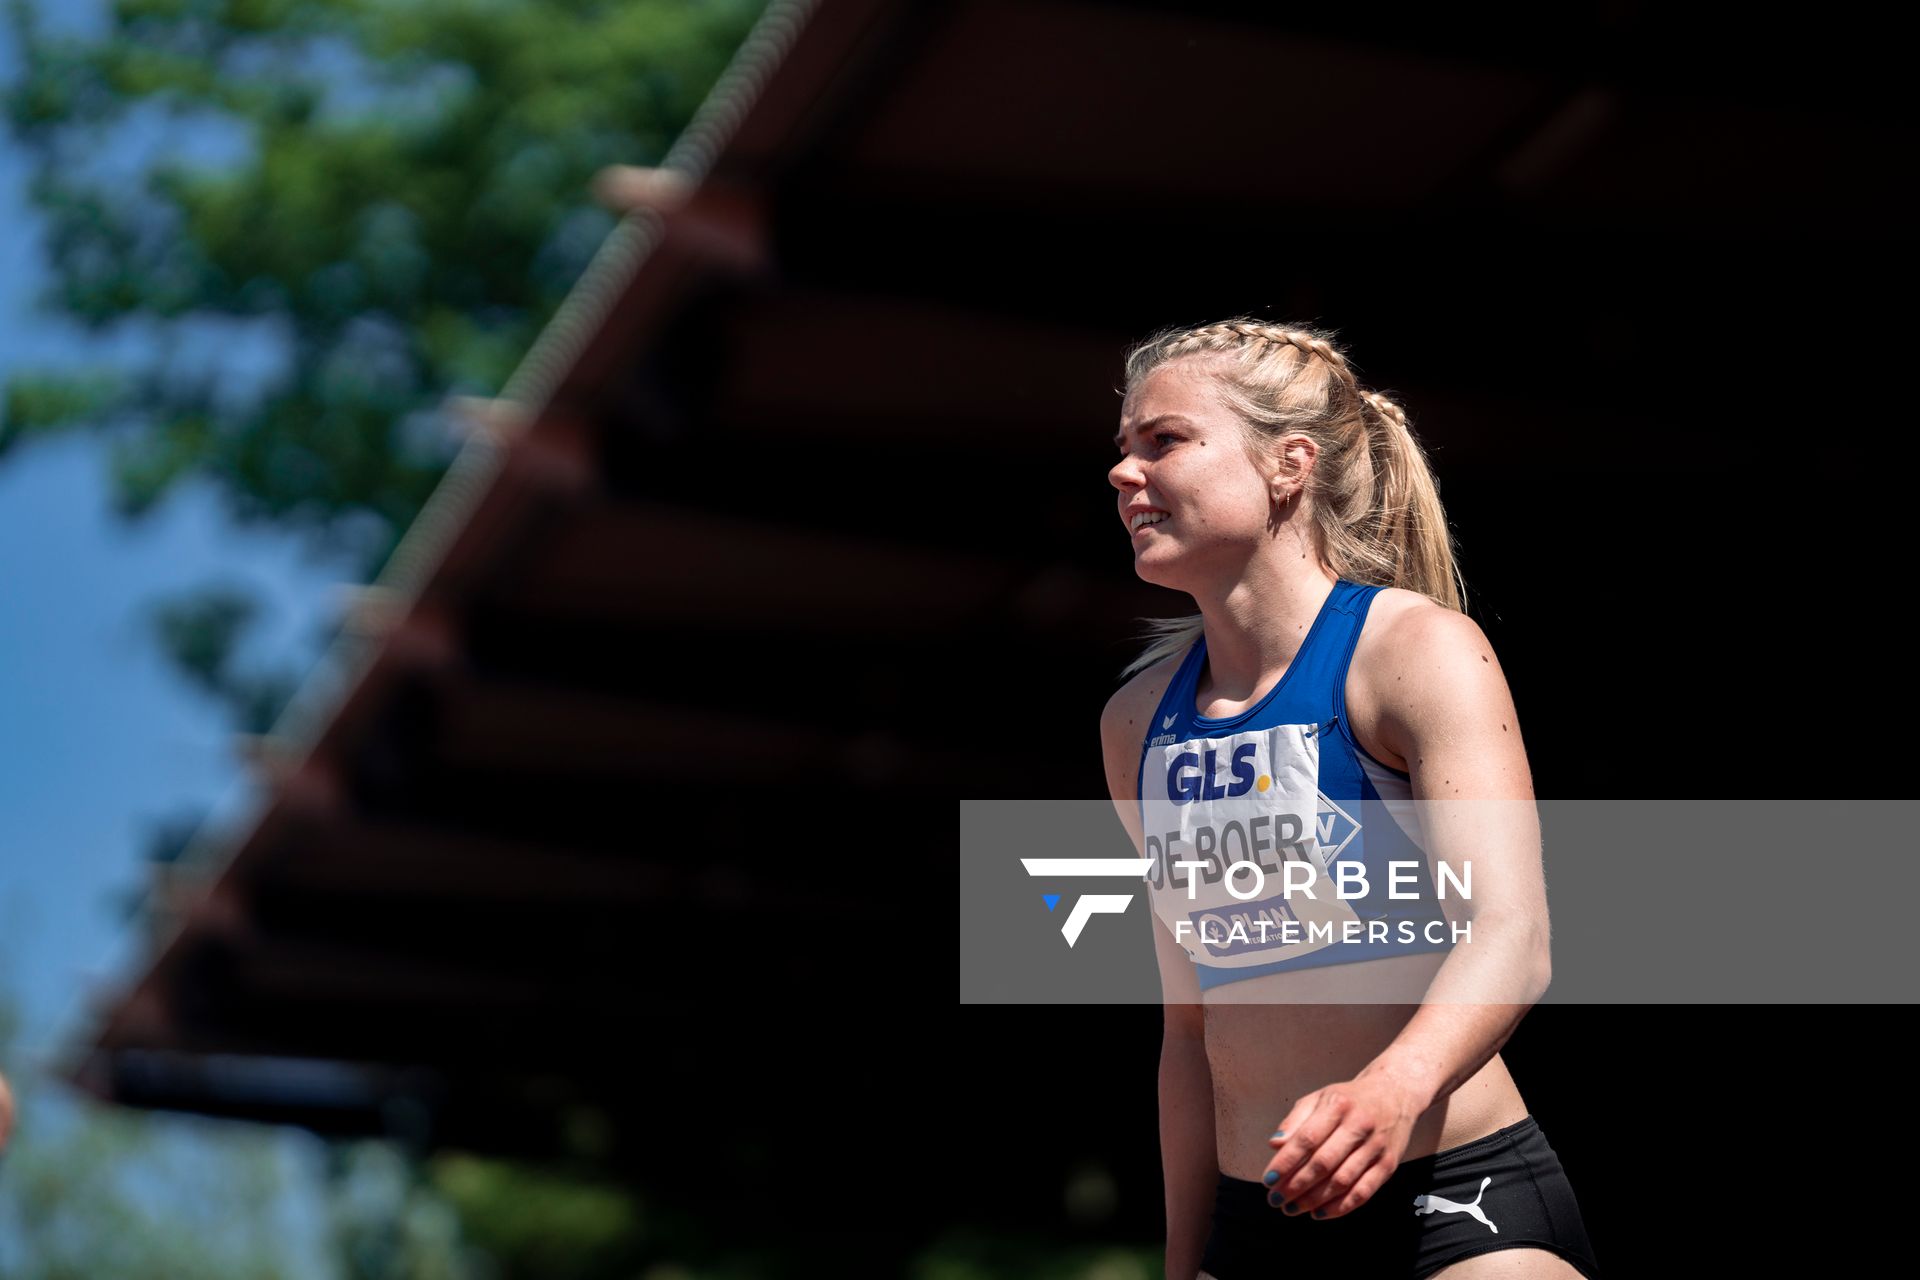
(1273, 785)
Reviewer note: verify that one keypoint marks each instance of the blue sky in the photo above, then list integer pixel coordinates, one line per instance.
(99, 740)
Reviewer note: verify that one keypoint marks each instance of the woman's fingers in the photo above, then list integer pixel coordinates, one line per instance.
(1295, 1138)
(1325, 1143)
(1352, 1184)
(1308, 1186)
(1341, 1143)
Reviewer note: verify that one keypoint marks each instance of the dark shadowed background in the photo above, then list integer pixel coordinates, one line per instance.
(779, 523)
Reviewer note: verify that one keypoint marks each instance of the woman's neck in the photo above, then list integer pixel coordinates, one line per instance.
(1257, 627)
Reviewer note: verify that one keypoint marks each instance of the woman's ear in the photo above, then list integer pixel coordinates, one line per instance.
(1283, 468)
(1281, 481)
(1283, 487)
(1293, 460)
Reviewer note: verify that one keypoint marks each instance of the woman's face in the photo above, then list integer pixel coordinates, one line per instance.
(1182, 454)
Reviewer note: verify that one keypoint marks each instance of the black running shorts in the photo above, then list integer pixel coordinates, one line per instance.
(1498, 1192)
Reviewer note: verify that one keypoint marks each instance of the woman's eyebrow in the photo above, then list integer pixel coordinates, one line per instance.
(1120, 438)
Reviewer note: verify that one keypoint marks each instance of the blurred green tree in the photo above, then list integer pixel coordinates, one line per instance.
(394, 194)
(89, 1191)
(408, 205)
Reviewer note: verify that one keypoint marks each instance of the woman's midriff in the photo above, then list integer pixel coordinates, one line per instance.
(1271, 1040)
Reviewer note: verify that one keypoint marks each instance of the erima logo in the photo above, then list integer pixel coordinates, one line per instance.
(1091, 904)
(1163, 740)
(1168, 722)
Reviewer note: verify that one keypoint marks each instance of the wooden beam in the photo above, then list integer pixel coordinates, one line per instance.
(534, 730)
(665, 560)
(490, 419)
(625, 188)
(403, 859)
(909, 366)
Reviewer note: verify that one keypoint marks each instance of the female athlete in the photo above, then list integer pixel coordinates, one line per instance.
(1328, 707)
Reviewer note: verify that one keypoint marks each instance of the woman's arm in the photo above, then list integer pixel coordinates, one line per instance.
(1188, 1157)
(1445, 708)
(1189, 1160)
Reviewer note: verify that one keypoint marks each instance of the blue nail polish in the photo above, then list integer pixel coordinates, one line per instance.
(1319, 1213)
(1274, 1199)
(1289, 1207)
(1278, 1133)
(1273, 1176)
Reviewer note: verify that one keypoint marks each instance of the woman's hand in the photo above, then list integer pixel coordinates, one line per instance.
(1339, 1143)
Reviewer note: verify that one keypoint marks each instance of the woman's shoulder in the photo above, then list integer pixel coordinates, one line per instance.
(1140, 693)
(1123, 721)
(1413, 650)
(1402, 620)
(1410, 639)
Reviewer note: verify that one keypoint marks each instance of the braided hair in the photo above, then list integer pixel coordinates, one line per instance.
(1372, 502)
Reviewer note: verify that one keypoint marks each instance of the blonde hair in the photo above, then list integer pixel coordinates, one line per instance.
(1371, 497)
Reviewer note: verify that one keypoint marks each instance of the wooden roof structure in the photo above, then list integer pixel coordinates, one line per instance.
(803, 493)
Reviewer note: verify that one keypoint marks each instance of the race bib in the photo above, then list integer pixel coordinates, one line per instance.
(1261, 844)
